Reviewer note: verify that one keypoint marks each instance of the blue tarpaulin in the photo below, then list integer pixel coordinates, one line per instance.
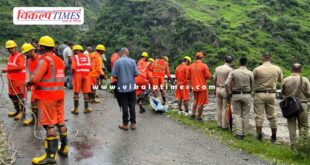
(157, 105)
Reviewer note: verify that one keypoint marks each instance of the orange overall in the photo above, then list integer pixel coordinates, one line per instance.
(96, 71)
(49, 89)
(198, 73)
(141, 64)
(183, 88)
(114, 58)
(32, 64)
(141, 81)
(159, 68)
(16, 74)
(81, 67)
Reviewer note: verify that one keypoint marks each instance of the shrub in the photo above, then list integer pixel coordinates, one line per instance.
(302, 146)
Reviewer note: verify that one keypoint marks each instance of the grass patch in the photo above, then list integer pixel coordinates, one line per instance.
(274, 153)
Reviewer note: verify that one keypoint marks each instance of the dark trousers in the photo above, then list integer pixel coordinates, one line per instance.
(128, 102)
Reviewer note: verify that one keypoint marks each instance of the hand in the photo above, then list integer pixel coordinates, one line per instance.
(104, 77)
(4, 70)
(28, 84)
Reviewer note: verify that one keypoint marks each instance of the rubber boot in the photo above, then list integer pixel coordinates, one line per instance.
(259, 133)
(34, 115)
(63, 147)
(142, 110)
(273, 138)
(21, 113)
(93, 98)
(164, 100)
(86, 108)
(76, 105)
(49, 157)
(16, 106)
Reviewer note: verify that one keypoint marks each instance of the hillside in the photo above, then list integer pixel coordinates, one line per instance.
(182, 27)
(218, 27)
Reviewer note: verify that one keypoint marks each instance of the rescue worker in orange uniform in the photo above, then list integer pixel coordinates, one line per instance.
(148, 70)
(160, 68)
(115, 56)
(142, 62)
(16, 74)
(81, 67)
(198, 74)
(96, 71)
(32, 62)
(48, 80)
(183, 88)
(142, 81)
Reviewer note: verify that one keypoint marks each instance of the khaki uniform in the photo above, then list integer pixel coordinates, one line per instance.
(220, 76)
(240, 84)
(289, 87)
(266, 77)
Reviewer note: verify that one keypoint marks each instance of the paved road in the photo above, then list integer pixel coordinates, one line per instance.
(157, 140)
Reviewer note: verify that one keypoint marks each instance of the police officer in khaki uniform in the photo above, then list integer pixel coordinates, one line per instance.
(290, 86)
(240, 84)
(220, 76)
(266, 77)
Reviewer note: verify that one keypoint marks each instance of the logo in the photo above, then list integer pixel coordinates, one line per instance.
(48, 15)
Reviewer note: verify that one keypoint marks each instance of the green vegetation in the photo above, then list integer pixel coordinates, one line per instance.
(274, 153)
(217, 27)
(182, 27)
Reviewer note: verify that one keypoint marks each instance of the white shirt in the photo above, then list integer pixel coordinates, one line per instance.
(67, 54)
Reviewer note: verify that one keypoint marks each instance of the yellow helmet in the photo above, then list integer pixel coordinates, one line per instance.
(145, 54)
(100, 47)
(187, 58)
(77, 47)
(10, 44)
(27, 47)
(47, 41)
(166, 58)
(151, 59)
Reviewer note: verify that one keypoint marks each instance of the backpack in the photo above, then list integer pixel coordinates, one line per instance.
(292, 106)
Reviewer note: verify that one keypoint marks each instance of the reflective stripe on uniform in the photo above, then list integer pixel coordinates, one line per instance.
(78, 63)
(14, 61)
(49, 88)
(83, 70)
(53, 80)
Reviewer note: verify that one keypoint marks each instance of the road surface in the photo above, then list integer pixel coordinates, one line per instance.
(157, 140)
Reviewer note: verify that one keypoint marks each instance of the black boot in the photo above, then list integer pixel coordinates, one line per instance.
(274, 135)
(16, 106)
(63, 148)
(76, 105)
(21, 108)
(164, 100)
(93, 98)
(259, 131)
(49, 157)
(142, 110)
(86, 108)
